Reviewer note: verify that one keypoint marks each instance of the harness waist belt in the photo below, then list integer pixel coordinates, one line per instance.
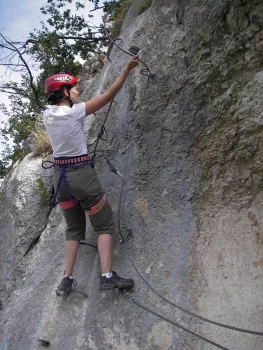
(73, 160)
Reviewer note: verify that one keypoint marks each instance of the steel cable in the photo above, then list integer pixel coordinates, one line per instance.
(149, 75)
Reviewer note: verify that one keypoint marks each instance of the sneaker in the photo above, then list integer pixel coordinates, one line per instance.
(115, 282)
(65, 286)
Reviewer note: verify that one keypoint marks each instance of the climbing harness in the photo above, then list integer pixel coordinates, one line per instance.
(72, 202)
(64, 164)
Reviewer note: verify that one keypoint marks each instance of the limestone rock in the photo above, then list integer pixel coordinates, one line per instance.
(192, 201)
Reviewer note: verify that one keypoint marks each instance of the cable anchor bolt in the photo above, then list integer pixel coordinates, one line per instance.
(132, 300)
(120, 174)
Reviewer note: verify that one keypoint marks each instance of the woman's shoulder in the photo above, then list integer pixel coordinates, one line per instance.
(78, 109)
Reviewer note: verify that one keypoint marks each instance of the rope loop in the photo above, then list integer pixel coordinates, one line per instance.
(47, 167)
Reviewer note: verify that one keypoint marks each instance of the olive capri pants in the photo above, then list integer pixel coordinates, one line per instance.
(87, 195)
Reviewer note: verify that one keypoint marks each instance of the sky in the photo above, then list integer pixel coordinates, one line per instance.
(17, 19)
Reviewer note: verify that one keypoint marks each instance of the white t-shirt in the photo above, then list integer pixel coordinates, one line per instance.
(65, 128)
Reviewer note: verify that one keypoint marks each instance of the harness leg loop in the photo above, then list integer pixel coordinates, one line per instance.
(95, 209)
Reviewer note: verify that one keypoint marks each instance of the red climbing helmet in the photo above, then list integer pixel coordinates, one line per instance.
(55, 82)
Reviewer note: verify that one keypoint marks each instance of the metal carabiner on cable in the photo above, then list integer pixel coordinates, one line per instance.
(132, 51)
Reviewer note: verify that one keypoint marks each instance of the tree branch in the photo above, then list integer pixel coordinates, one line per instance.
(71, 37)
(6, 47)
(35, 91)
(21, 93)
(98, 8)
(11, 64)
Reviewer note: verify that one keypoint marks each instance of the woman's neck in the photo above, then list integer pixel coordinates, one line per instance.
(63, 103)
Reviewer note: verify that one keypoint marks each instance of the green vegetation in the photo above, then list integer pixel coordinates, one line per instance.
(116, 11)
(64, 34)
(145, 5)
(43, 191)
(41, 143)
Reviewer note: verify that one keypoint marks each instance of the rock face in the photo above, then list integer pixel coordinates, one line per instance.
(193, 194)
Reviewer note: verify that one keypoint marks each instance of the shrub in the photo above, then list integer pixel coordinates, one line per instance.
(43, 191)
(117, 16)
(145, 5)
(40, 143)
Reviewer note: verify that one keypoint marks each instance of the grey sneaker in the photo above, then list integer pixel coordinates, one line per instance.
(115, 282)
(65, 286)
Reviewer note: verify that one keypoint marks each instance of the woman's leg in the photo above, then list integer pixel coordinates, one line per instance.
(76, 227)
(72, 248)
(105, 244)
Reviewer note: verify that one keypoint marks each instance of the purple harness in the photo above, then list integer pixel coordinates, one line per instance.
(66, 163)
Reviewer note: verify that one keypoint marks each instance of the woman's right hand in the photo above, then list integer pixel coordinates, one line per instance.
(134, 62)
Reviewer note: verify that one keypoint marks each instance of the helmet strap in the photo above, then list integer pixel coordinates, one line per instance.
(68, 96)
(70, 101)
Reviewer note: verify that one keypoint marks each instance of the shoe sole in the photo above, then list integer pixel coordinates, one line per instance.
(120, 287)
(60, 293)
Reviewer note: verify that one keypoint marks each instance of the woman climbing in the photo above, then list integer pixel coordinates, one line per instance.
(76, 184)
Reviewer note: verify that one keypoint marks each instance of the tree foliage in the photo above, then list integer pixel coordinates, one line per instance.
(64, 35)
